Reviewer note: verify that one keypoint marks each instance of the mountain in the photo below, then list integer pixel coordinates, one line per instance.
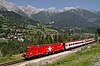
(70, 16)
(43, 16)
(2, 8)
(9, 6)
(69, 19)
(87, 14)
(14, 20)
(28, 9)
(52, 10)
(90, 15)
(66, 17)
(98, 12)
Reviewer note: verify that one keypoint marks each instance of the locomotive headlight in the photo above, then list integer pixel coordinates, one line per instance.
(24, 53)
(30, 53)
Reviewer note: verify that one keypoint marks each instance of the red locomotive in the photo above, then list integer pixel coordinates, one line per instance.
(45, 49)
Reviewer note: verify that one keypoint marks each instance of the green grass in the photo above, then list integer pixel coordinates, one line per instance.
(9, 58)
(87, 56)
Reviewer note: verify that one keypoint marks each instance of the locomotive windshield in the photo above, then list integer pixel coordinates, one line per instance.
(26, 49)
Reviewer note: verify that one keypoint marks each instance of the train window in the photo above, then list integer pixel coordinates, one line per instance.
(76, 43)
(26, 49)
(79, 42)
(69, 44)
(88, 40)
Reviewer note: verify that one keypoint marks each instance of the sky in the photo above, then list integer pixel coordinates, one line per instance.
(60, 4)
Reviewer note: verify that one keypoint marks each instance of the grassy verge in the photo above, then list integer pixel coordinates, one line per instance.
(9, 58)
(87, 56)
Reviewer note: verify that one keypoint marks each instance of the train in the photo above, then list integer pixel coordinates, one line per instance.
(46, 49)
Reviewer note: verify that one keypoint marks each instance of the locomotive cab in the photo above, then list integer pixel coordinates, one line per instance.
(30, 51)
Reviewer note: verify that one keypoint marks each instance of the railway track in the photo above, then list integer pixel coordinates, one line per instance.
(12, 62)
(23, 60)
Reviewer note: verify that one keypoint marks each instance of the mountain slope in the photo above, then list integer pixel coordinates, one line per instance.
(73, 17)
(2, 8)
(87, 14)
(42, 16)
(12, 7)
(69, 19)
(9, 18)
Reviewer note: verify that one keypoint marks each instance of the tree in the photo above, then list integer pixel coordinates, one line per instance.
(98, 31)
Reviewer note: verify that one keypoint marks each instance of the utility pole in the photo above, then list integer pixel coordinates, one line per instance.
(79, 31)
(72, 31)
